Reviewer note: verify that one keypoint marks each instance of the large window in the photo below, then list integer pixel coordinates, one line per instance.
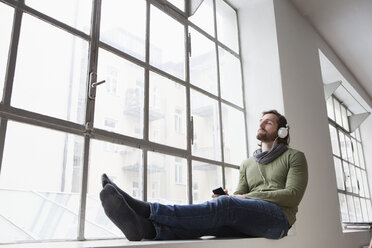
(167, 125)
(347, 148)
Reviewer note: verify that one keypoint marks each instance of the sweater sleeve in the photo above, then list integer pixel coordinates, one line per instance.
(242, 187)
(295, 186)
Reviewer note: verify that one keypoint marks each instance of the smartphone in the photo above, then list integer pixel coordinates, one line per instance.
(219, 191)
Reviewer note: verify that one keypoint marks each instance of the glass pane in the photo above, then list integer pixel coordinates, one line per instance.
(123, 26)
(162, 185)
(360, 182)
(50, 76)
(227, 26)
(355, 152)
(369, 208)
(354, 181)
(206, 177)
(349, 149)
(121, 98)
(365, 182)
(334, 140)
(345, 121)
(330, 110)
(357, 132)
(361, 157)
(167, 43)
(230, 77)
(74, 13)
(347, 177)
(6, 20)
(178, 3)
(204, 17)
(123, 165)
(339, 174)
(343, 207)
(338, 112)
(203, 62)
(167, 112)
(234, 137)
(364, 209)
(351, 207)
(343, 144)
(42, 171)
(205, 113)
(358, 209)
(231, 179)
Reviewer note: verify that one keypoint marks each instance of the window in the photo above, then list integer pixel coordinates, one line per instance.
(351, 175)
(169, 80)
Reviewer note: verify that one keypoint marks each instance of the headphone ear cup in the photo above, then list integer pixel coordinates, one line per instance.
(283, 132)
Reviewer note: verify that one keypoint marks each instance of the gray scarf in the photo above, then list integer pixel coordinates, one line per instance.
(269, 156)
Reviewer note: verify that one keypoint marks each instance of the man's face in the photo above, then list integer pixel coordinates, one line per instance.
(267, 131)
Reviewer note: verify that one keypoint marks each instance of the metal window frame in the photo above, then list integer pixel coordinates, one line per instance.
(87, 130)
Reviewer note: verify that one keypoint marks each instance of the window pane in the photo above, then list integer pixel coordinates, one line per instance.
(178, 3)
(50, 75)
(358, 209)
(365, 182)
(334, 140)
(339, 174)
(234, 138)
(354, 182)
(203, 62)
(123, 26)
(351, 207)
(360, 182)
(349, 149)
(231, 179)
(343, 144)
(338, 112)
(43, 171)
(343, 207)
(205, 113)
(345, 120)
(74, 13)
(207, 177)
(230, 77)
(361, 157)
(121, 97)
(357, 132)
(355, 152)
(227, 26)
(123, 165)
(161, 186)
(347, 177)
(204, 17)
(330, 111)
(6, 20)
(167, 43)
(369, 208)
(167, 99)
(364, 209)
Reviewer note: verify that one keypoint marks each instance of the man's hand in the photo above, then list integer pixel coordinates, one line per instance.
(239, 196)
(215, 195)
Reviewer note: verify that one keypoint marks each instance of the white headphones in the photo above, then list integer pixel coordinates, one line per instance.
(283, 132)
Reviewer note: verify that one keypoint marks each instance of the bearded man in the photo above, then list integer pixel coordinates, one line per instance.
(271, 186)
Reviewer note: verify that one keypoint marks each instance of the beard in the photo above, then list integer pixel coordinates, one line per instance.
(266, 137)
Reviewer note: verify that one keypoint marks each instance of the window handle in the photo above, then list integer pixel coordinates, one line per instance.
(93, 85)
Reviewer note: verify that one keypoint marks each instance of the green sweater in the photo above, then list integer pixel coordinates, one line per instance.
(286, 180)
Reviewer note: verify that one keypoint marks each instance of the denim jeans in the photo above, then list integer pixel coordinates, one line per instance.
(224, 216)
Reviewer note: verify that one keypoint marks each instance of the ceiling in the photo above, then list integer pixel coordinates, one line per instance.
(346, 25)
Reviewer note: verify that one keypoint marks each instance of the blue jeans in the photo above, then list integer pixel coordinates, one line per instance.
(224, 216)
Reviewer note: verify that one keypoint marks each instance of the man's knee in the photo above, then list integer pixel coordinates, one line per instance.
(224, 200)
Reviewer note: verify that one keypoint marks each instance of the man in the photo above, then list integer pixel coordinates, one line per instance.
(271, 186)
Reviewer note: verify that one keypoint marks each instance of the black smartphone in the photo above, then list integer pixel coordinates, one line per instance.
(219, 191)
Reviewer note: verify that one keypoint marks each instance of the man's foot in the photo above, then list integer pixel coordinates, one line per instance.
(119, 212)
(140, 207)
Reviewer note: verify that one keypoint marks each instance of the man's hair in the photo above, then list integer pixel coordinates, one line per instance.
(282, 122)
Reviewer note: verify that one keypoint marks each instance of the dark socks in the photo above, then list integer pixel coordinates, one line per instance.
(133, 226)
(140, 207)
